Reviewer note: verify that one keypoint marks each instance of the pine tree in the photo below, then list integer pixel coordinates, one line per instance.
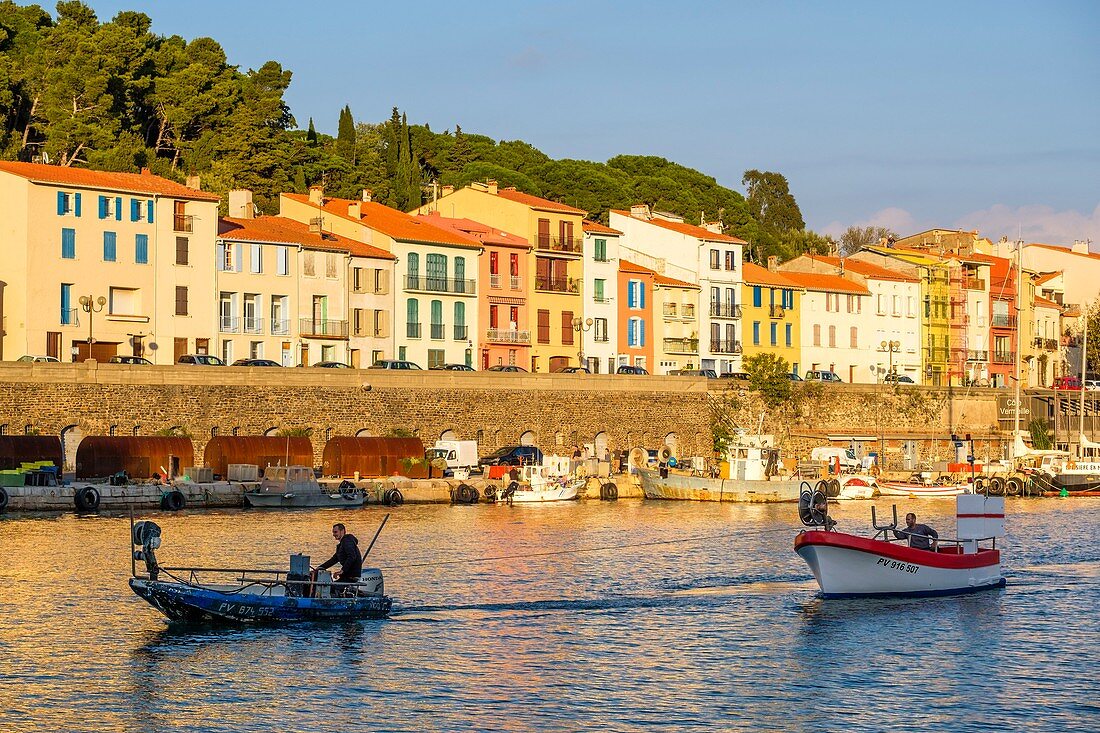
(311, 133)
(345, 136)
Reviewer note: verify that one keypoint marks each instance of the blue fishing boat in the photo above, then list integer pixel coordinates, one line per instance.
(235, 595)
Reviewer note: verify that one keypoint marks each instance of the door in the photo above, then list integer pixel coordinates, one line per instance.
(179, 348)
(354, 359)
(202, 346)
(53, 344)
(286, 356)
(558, 362)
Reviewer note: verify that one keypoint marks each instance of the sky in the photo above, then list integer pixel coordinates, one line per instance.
(909, 115)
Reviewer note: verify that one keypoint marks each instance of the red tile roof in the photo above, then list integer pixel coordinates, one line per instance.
(757, 275)
(476, 230)
(829, 283)
(627, 266)
(1047, 277)
(1063, 250)
(1041, 301)
(140, 183)
(869, 270)
(597, 228)
(537, 202)
(684, 228)
(391, 222)
(280, 229)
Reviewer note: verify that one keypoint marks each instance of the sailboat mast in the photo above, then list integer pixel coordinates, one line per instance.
(1084, 366)
(1019, 282)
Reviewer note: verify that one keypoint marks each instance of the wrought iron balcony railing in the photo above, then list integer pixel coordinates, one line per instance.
(725, 310)
(323, 328)
(508, 336)
(440, 285)
(682, 346)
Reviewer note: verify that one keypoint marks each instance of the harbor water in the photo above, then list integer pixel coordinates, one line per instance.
(691, 617)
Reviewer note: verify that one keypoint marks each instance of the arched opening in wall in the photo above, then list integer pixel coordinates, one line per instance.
(214, 432)
(673, 444)
(272, 431)
(599, 443)
(28, 429)
(576, 438)
(236, 429)
(527, 438)
(363, 433)
(70, 439)
(113, 430)
(3, 428)
(448, 435)
(328, 434)
(559, 438)
(136, 430)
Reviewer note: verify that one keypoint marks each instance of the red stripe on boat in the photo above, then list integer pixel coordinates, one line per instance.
(980, 516)
(904, 553)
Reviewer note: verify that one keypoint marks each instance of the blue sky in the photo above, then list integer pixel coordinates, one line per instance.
(973, 114)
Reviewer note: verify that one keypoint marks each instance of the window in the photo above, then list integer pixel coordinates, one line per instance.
(380, 330)
(109, 253)
(332, 265)
(68, 313)
(897, 305)
(494, 263)
(308, 267)
(599, 330)
(412, 318)
(775, 333)
(598, 286)
(567, 327)
(635, 332)
(182, 251)
(832, 337)
(141, 249)
(855, 338)
(381, 282)
(460, 275)
(544, 326)
(460, 322)
(494, 317)
(124, 302)
(68, 244)
(437, 318)
(600, 254)
(756, 333)
(436, 270)
(357, 279)
(513, 265)
(817, 334)
(715, 259)
(181, 300)
(110, 207)
(282, 261)
(756, 297)
(256, 259)
(436, 358)
(68, 203)
(731, 260)
(135, 210)
(788, 334)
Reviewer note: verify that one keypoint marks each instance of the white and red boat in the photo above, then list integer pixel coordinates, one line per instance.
(848, 566)
(921, 486)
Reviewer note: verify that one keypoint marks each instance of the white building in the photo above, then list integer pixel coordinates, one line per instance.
(601, 278)
(703, 255)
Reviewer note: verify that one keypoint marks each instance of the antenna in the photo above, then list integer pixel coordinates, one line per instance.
(45, 157)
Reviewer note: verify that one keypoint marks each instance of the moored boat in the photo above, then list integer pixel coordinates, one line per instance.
(919, 487)
(749, 474)
(296, 486)
(537, 483)
(847, 565)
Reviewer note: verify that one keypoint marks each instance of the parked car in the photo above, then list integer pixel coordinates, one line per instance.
(708, 373)
(31, 358)
(128, 360)
(454, 368)
(821, 375)
(332, 365)
(201, 360)
(394, 364)
(572, 370)
(1070, 383)
(506, 368)
(513, 455)
(794, 377)
(743, 376)
(256, 363)
(1091, 384)
(627, 369)
(898, 379)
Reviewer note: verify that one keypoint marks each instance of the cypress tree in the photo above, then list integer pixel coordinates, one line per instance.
(311, 133)
(345, 136)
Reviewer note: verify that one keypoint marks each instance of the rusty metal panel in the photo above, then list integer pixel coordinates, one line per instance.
(260, 450)
(17, 449)
(374, 457)
(141, 456)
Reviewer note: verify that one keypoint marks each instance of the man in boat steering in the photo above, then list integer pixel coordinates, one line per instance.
(349, 557)
(920, 536)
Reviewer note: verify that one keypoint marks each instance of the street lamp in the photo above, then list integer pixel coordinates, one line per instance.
(891, 348)
(91, 307)
(580, 325)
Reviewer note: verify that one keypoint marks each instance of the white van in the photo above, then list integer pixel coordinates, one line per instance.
(460, 454)
(847, 457)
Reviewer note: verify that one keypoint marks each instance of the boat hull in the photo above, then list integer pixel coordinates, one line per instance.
(539, 496)
(302, 501)
(847, 566)
(186, 603)
(681, 487)
(920, 490)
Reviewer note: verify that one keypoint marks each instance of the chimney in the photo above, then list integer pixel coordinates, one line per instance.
(641, 211)
(316, 195)
(713, 226)
(368, 195)
(1081, 246)
(194, 182)
(773, 263)
(355, 210)
(448, 190)
(493, 187)
(146, 172)
(240, 204)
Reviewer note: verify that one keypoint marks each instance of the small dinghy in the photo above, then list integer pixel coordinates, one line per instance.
(234, 595)
(848, 566)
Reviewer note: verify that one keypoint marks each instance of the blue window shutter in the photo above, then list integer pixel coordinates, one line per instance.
(66, 300)
(76, 207)
(775, 333)
(109, 247)
(641, 333)
(102, 207)
(149, 210)
(756, 297)
(135, 210)
(60, 203)
(641, 302)
(788, 334)
(118, 208)
(141, 249)
(219, 252)
(68, 244)
(756, 333)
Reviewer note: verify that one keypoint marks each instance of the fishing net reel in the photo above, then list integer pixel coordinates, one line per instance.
(146, 535)
(809, 503)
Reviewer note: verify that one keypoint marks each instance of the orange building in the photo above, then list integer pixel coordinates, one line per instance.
(636, 326)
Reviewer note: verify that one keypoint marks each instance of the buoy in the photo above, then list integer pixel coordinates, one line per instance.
(1063, 493)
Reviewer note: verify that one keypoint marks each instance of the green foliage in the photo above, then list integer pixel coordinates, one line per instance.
(345, 135)
(173, 432)
(770, 376)
(400, 433)
(295, 433)
(856, 238)
(1040, 436)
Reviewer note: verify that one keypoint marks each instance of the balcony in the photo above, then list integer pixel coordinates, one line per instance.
(462, 333)
(1051, 345)
(601, 299)
(440, 285)
(508, 336)
(689, 311)
(70, 317)
(670, 310)
(981, 356)
(725, 310)
(936, 353)
(280, 327)
(514, 282)
(1001, 320)
(494, 281)
(777, 311)
(725, 346)
(557, 284)
(546, 243)
(229, 324)
(682, 346)
(412, 330)
(974, 283)
(1004, 357)
(437, 331)
(253, 325)
(323, 328)
(183, 223)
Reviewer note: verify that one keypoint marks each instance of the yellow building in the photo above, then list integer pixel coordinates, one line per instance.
(556, 232)
(770, 315)
(675, 305)
(98, 264)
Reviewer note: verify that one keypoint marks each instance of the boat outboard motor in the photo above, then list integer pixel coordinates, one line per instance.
(808, 512)
(146, 535)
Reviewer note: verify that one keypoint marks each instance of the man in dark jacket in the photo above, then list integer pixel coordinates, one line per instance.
(920, 536)
(347, 554)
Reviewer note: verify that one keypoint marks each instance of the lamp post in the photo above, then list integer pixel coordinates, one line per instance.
(580, 325)
(91, 307)
(891, 348)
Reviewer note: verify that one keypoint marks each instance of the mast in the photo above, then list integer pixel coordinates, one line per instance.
(1084, 366)
(1019, 345)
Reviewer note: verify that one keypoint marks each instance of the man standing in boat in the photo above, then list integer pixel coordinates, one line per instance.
(349, 557)
(920, 536)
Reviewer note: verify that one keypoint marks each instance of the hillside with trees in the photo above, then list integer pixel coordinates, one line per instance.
(75, 91)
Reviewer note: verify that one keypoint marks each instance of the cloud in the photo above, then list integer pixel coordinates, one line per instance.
(892, 217)
(528, 59)
(1034, 223)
